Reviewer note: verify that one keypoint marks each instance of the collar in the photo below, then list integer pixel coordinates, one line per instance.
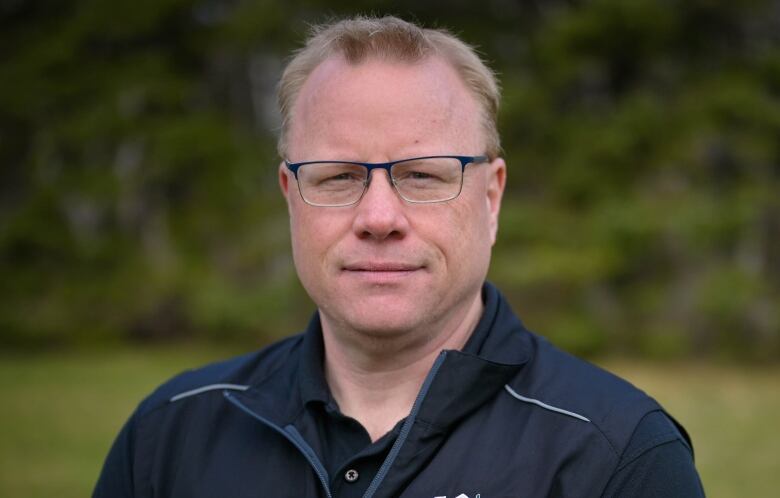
(499, 337)
(494, 353)
(311, 365)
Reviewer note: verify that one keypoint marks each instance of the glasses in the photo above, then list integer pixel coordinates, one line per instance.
(418, 180)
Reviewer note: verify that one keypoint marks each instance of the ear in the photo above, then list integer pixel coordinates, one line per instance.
(284, 180)
(496, 181)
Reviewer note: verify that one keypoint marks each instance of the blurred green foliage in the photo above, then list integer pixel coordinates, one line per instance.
(138, 193)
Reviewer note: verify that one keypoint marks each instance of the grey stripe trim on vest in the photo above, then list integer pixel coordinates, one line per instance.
(544, 405)
(210, 387)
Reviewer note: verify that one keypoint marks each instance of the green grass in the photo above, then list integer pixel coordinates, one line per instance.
(61, 412)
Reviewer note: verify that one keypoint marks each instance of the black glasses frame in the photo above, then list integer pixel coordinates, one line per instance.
(464, 161)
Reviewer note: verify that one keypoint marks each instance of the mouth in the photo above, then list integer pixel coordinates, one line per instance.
(381, 267)
(381, 273)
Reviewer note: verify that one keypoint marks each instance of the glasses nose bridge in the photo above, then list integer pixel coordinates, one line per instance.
(371, 167)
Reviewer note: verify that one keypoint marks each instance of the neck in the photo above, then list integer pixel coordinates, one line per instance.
(377, 383)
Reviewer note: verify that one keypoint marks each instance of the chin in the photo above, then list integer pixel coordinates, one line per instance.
(383, 325)
(383, 320)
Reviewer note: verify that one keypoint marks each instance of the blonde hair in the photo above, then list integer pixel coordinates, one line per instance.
(359, 38)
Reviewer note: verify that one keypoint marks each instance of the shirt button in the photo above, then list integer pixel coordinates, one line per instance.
(351, 475)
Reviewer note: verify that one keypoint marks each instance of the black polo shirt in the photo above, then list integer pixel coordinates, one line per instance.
(646, 469)
(342, 443)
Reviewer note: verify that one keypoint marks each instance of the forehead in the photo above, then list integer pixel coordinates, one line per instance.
(384, 108)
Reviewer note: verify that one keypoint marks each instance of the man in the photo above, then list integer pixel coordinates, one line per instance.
(414, 378)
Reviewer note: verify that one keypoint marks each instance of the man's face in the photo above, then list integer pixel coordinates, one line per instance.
(384, 266)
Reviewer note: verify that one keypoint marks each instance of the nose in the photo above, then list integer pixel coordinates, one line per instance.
(381, 213)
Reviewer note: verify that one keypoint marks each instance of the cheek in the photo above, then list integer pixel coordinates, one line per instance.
(460, 232)
(305, 238)
(476, 240)
(314, 232)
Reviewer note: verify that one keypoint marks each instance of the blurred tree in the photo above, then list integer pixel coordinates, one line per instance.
(645, 136)
(135, 194)
(138, 193)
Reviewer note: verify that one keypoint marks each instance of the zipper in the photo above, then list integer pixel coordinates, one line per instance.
(295, 438)
(292, 435)
(405, 428)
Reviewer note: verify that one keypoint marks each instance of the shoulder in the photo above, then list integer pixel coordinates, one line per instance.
(153, 442)
(561, 382)
(237, 373)
(562, 377)
(658, 461)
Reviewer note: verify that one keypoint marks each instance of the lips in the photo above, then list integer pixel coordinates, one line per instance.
(381, 266)
(380, 274)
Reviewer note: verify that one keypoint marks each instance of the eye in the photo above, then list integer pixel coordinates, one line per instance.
(419, 175)
(341, 176)
(331, 175)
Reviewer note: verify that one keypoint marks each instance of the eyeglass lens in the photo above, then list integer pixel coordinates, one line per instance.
(416, 180)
